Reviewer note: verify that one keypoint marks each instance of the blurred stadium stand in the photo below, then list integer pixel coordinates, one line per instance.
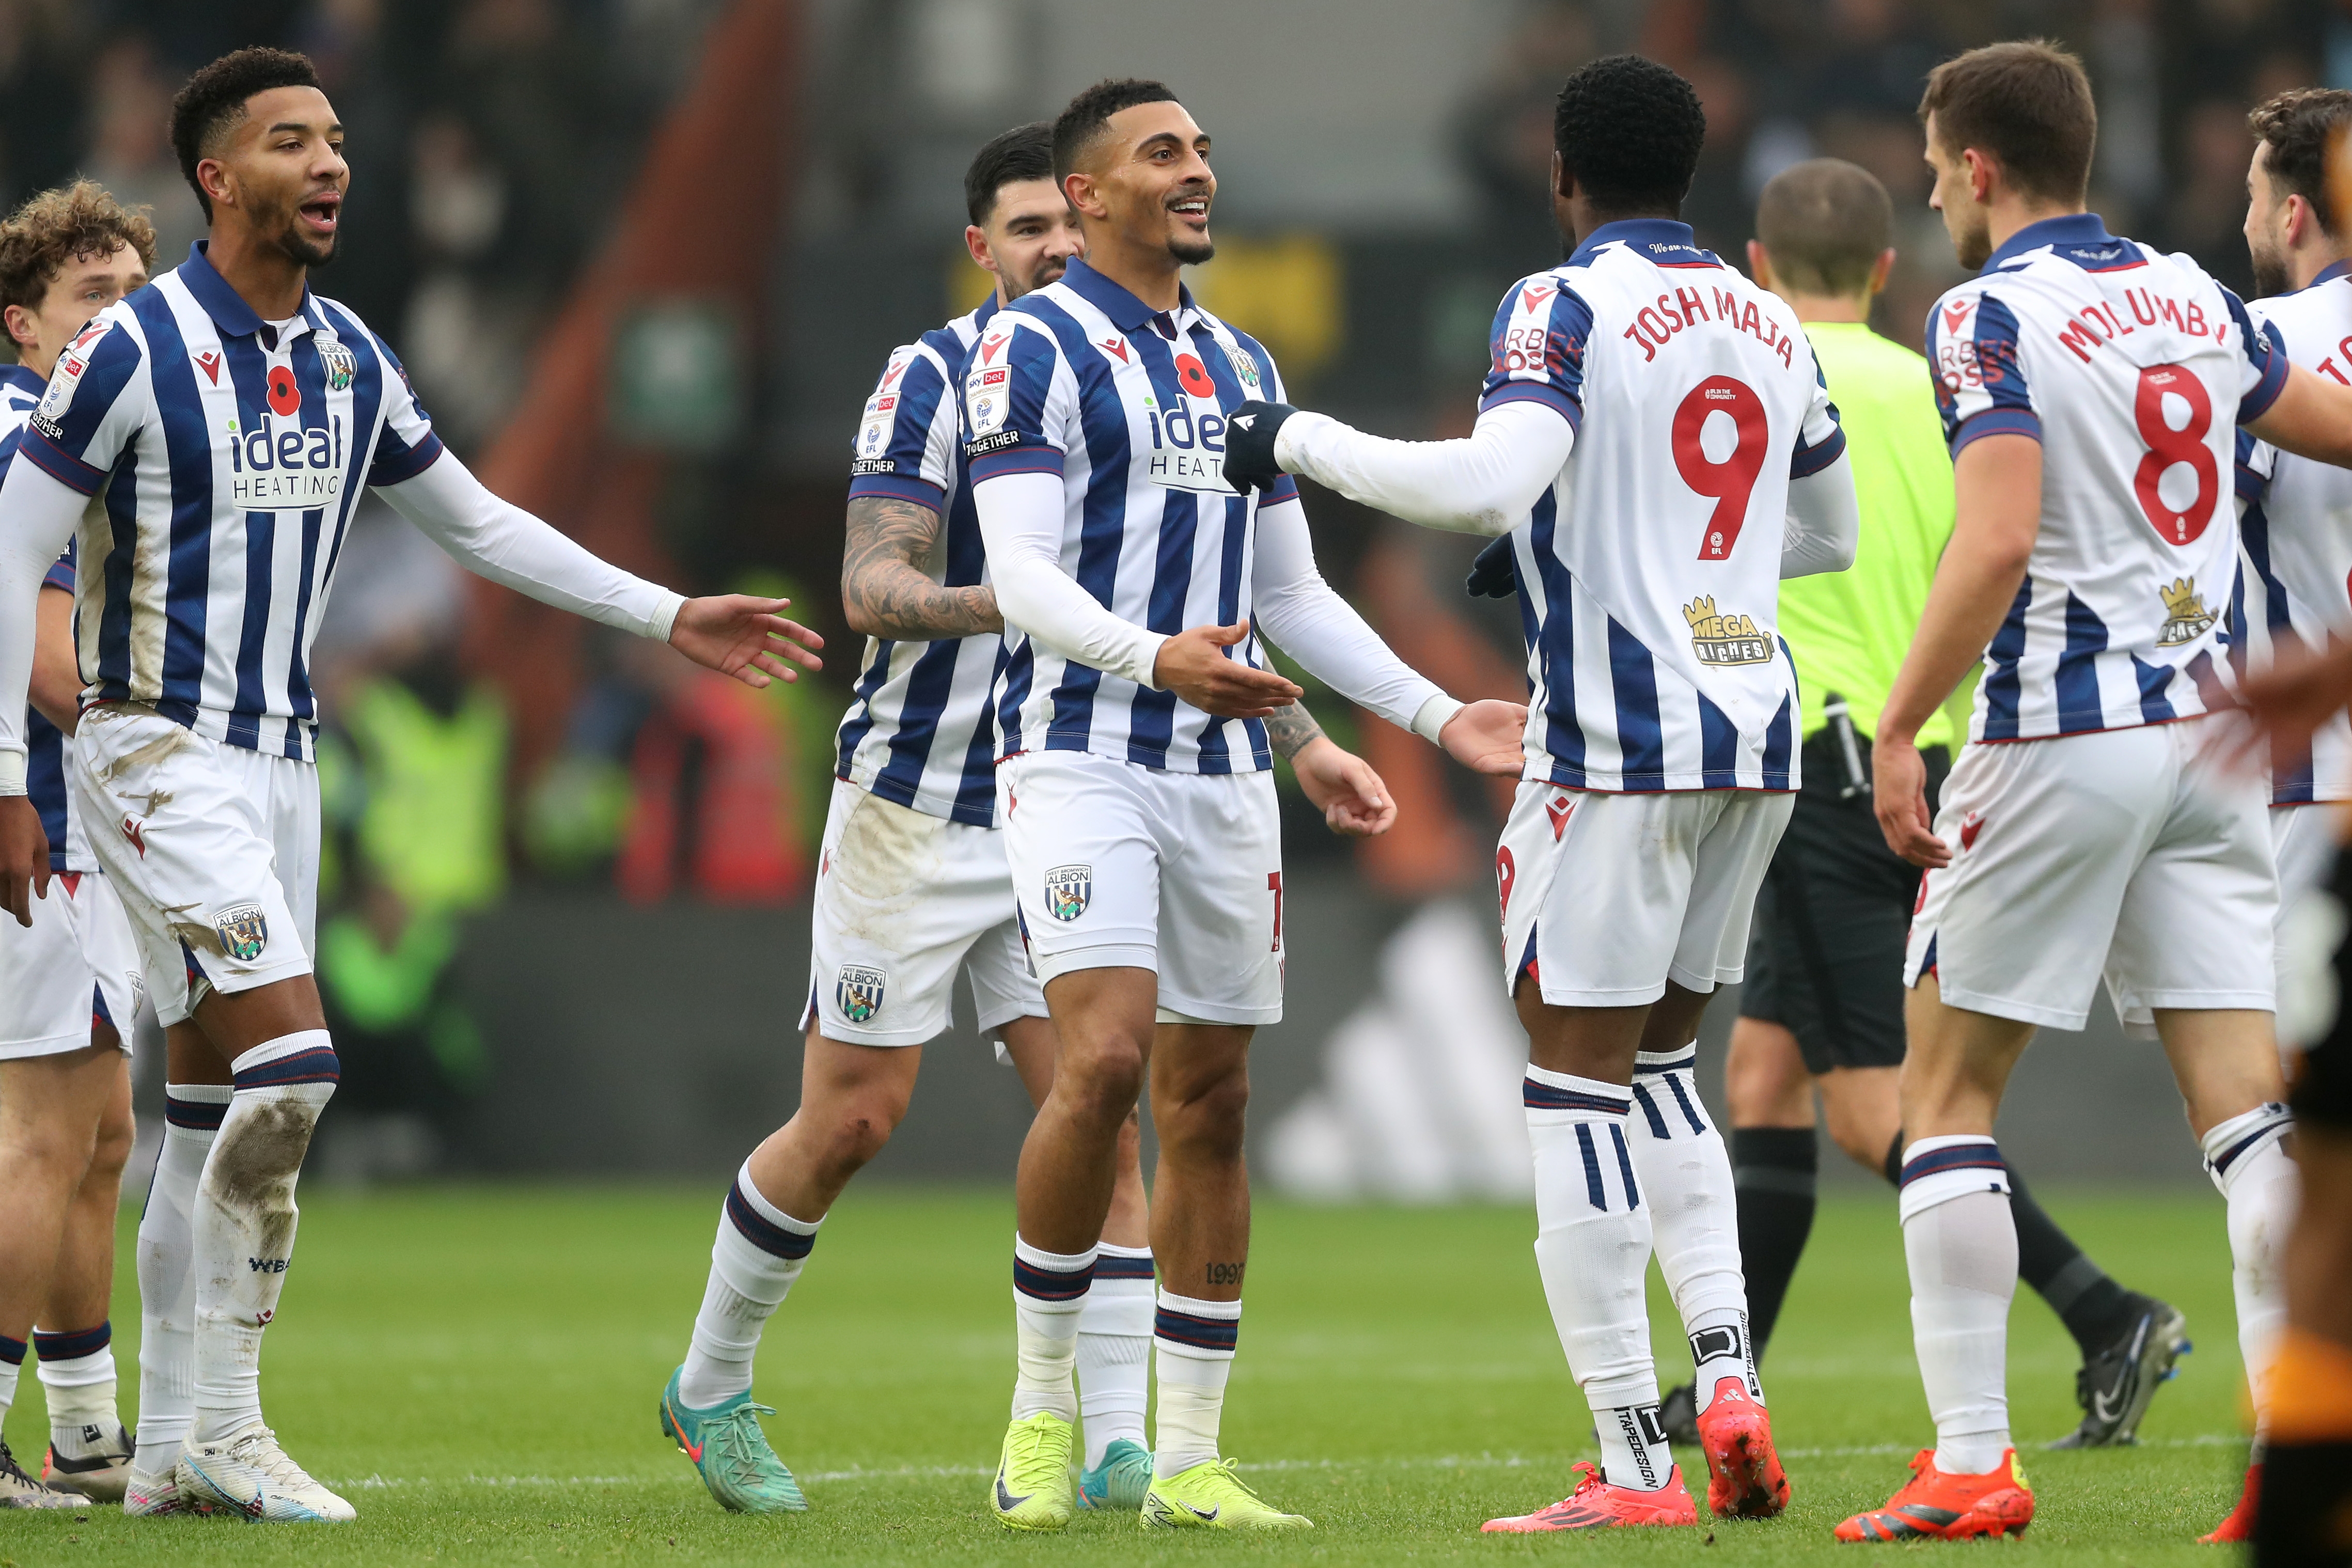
(643, 259)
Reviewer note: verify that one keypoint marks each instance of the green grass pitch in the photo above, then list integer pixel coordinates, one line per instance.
(477, 1369)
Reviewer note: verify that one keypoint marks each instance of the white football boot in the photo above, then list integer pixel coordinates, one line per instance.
(250, 1475)
(148, 1494)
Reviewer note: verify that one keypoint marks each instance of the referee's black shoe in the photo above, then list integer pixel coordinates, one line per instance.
(2117, 1381)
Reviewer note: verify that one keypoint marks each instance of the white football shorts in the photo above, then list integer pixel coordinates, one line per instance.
(1607, 897)
(213, 849)
(1121, 866)
(75, 968)
(903, 900)
(2122, 853)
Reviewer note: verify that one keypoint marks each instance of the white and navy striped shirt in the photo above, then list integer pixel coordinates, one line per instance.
(1649, 571)
(2294, 578)
(2132, 369)
(228, 456)
(44, 745)
(919, 731)
(1127, 406)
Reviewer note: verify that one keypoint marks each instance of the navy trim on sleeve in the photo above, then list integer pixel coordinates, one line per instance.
(1807, 462)
(392, 468)
(59, 464)
(900, 487)
(1031, 459)
(1995, 421)
(1282, 490)
(1542, 392)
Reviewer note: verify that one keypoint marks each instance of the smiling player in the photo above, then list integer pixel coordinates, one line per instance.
(226, 419)
(1140, 814)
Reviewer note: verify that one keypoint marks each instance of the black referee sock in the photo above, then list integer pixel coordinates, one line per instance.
(1773, 1169)
(2094, 1308)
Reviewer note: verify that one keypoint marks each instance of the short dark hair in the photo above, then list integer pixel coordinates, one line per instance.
(1825, 222)
(2028, 104)
(1077, 127)
(1629, 131)
(56, 228)
(1023, 153)
(2301, 126)
(214, 99)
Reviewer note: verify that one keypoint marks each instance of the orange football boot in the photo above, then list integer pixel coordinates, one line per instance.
(1597, 1505)
(1744, 1478)
(1934, 1506)
(2240, 1525)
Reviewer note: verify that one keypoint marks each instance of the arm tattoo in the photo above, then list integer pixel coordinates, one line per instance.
(885, 592)
(1290, 730)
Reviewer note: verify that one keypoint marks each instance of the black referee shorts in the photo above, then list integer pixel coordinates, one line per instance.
(1825, 960)
(2323, 1089)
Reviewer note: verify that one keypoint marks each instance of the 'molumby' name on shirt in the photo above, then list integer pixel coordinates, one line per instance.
(286, 465)
(1682, 309)
(2099, 324)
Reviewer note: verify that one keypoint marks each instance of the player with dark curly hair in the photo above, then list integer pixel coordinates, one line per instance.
(1655, 450)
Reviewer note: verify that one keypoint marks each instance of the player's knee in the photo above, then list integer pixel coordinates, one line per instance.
(111, 1151)
(1102, 1081)
(1207, 1123)
(53, 1154)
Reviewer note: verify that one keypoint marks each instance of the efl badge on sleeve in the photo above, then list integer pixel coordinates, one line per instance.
(859, 992)
(1067, 891)
(244, 931)
(342, 366)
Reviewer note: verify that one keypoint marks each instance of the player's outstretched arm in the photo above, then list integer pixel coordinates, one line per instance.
(37, 514)
(1482, 483)
(1321, 630)
(734, 634)
(1021, 526)
(2310, 416)
(56, 692)
(885, 592)
(1355, 803)
(1997, 481)
(1824, 525)
(2300, 691)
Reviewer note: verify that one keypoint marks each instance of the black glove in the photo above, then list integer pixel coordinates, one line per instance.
(1250, 431)
(1493, 576)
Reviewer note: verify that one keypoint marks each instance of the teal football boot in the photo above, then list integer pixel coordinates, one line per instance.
(731, 1453)
(1120, 1480)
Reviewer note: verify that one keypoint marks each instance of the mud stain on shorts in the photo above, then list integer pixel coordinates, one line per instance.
(886, 862)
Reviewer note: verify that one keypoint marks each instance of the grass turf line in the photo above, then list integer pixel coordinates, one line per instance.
(478, 1368)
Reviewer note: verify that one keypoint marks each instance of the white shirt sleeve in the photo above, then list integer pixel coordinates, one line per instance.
(500, 541)
(1485, 483)
(1299, 611)
(1824, 524)
(1021, 527)
(37, 514)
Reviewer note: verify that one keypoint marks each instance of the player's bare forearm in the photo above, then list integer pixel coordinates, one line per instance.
(2311, 418)
(55, 691)
(1997, 481)
(884, 593)
(1291, 728)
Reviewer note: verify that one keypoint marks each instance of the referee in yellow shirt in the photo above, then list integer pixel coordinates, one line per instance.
(1822, 1009)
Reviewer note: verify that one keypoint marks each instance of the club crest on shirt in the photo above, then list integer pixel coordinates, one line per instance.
(1244, 369)
(342, 366)
(244, 931)
(1725, 638)
(2186, 618)
(1068, 889)
(859, 992)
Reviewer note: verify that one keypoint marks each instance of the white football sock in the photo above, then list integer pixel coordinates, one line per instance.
(167, 1281)
(77, 1373)
(2247, 1160)
(1593, 1248)
(1684, 1173)
(1049, 1292)
(758, 1255)
(245, 1220)
(1114, 1350)
(1195, 1339)
(1961, 1242)
(12, 1366)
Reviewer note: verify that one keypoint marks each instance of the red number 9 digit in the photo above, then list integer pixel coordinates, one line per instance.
(1730, 482)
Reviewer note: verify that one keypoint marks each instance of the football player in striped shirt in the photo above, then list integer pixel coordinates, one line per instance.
(225, 420)
(69, 986)
(1139, 725)
(2090, 387)
(913, 887)
(1654, 440)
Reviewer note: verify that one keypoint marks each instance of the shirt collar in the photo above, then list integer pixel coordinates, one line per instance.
(1127, 312)
(22, 378)
(2330, 274)
(1661, 239)
(2073, 229)
(988, 307)
(226, 307)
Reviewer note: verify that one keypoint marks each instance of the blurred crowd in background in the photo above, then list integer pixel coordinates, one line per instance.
(497, 146)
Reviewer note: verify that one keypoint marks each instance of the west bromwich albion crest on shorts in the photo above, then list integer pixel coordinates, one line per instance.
(859, 991)
(244, 931)
(1068, 889)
